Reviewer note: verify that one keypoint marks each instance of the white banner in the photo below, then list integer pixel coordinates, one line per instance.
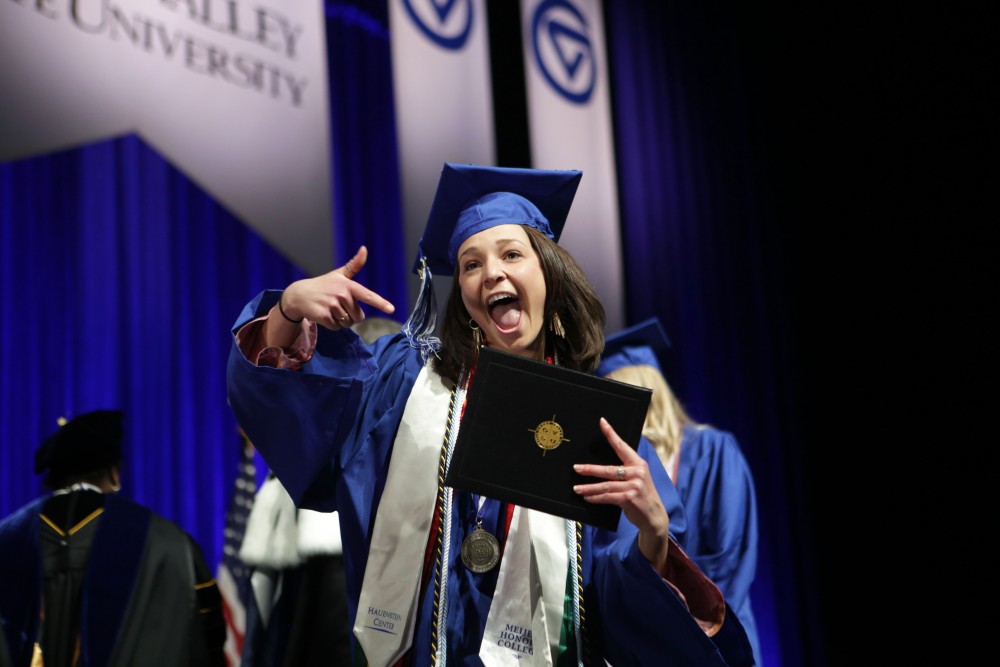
(569, 113)
(234, 93)
(444, 101)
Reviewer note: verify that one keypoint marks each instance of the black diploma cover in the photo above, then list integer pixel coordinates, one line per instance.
(527, 422)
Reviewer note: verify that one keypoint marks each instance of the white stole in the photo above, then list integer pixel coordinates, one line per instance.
(521, 629)
(387, 607)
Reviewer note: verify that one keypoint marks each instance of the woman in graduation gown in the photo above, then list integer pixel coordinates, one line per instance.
(707, 466)
(438, 576)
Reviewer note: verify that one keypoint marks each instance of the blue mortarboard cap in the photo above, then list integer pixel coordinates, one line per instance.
(636, 346)
(471, 198)
(89, 442)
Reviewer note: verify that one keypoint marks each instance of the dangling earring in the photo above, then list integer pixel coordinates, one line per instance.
(556, 325)
(477, 333)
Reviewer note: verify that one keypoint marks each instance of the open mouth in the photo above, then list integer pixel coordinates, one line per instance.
(505, 311)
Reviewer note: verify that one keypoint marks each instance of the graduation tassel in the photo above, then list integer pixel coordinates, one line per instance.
(420, 326)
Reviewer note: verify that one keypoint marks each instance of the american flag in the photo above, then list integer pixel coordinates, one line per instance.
(233, 575)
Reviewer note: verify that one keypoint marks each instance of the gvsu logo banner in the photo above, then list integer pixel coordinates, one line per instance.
(233, 92)
(569, 113)
(562, 51)
(448, 24)
(444, 99)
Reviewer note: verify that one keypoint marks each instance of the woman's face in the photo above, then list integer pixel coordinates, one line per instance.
(503, 288)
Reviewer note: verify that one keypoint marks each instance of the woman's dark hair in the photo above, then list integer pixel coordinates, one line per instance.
(568, 292)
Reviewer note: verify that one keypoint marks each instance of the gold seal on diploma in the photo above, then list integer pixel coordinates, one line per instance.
(549, 434)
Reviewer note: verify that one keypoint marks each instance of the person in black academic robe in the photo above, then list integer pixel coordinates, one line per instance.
(95, 579)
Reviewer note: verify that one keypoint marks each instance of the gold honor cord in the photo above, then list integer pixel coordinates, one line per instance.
(75, 529)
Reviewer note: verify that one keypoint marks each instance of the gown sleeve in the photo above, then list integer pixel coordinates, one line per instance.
(668, 492)
(303, 411)
(717, 489)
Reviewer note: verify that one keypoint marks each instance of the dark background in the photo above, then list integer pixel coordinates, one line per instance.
(868, 133)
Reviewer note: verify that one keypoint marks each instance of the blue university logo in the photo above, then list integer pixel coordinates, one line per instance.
(563, 53)
(447, 23)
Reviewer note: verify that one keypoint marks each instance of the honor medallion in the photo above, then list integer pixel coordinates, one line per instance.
(480, 551)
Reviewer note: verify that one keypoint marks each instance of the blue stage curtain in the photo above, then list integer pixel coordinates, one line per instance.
(365, 165)
(121, 279)
(706, 251)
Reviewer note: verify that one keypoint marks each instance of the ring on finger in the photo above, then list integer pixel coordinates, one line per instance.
(620, 473)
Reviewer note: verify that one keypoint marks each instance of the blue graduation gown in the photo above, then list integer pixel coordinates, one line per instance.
(717, 490)
(327, 431)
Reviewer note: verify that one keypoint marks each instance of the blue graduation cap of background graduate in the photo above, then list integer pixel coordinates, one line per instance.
(472, 198)
(639, 345)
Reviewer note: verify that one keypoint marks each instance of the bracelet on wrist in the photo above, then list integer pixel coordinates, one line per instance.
(282, 311)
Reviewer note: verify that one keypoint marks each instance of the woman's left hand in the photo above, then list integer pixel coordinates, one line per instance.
(631, 487)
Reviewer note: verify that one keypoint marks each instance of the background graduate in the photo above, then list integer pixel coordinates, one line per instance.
(706, 465)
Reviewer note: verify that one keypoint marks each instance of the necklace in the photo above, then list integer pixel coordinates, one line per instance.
(480, 549)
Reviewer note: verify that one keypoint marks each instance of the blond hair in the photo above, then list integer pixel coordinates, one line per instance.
(666, 417)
